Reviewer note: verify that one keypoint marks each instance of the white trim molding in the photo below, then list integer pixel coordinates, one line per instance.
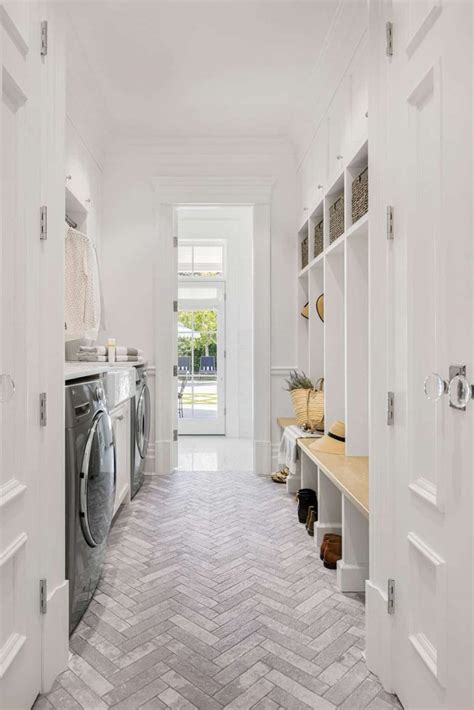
(172, 191)
(213, 190)
(282, 370)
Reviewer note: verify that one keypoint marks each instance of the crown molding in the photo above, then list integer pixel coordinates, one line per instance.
(213, 189)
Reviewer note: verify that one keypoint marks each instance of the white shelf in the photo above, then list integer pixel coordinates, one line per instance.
(338, 348)
(336, 246)
(358, 228)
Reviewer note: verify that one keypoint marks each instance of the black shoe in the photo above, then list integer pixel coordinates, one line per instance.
(306, 497)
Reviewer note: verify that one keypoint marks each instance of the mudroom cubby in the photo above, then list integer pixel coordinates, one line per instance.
(336, 164)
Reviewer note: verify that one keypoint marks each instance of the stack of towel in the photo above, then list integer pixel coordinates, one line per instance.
(99, 353)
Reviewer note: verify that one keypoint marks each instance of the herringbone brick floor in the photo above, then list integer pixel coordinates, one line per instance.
(213, 596)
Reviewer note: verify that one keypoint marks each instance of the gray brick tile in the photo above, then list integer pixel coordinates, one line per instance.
(299, 691)
(218, 602)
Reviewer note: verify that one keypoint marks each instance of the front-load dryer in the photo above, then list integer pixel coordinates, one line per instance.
(141, 416)
(90, 490)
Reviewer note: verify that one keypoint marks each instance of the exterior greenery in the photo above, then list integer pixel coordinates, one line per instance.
(203, 325)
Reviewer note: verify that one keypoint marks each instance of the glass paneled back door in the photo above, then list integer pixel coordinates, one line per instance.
(201, 357)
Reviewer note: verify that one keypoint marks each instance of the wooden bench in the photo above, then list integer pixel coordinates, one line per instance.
(342, 486)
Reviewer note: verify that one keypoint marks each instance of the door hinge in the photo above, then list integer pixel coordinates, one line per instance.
(225, 354)
(175, 371)
(175, 241)
(225, 411)
(43, 596)
(44, 38)
(175, 306)
(391, 596)
(175, 435)
(389, 39)
(389, 222)
(390, 408)
(43, 409)
(43, 223)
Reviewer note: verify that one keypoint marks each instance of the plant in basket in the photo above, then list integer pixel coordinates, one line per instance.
(308, 401)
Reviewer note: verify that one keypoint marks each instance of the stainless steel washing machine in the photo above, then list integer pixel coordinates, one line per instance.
(90, 489)
(141, 413)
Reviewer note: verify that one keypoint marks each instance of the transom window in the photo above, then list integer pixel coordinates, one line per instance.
(201, 260)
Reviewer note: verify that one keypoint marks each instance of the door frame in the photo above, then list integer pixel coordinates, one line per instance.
(219, 305)
(171, 192)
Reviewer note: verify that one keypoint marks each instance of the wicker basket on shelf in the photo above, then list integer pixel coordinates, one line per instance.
(336, 219)
(360, 195)
(319, 238)
(304, 252)
(309, 407)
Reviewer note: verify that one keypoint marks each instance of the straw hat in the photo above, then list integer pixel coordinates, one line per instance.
(320, 306)
(333, 443)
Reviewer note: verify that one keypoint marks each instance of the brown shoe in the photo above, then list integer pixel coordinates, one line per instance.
(332, 553)
(329, 537)
(310, 520)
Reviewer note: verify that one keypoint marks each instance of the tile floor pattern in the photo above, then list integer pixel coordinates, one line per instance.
(213, 596)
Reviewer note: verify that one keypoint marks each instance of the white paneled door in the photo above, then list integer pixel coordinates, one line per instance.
(20, 435)
(430, 331)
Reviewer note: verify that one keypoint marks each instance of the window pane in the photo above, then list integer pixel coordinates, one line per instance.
(192, 293)
(208, 260)
(185, 260)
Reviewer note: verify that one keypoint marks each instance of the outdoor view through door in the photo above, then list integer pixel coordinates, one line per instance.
(201, 337)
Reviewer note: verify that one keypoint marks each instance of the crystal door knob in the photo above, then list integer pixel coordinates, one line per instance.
(7, 388)
(460, 392)
(435, 387)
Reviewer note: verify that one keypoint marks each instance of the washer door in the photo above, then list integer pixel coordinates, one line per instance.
(98, 481)
(142, 431)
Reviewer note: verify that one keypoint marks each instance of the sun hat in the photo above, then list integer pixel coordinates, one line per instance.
(320, 306)
(334, 442)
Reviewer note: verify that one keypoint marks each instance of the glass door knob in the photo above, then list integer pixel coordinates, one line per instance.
(7, 388)
(460, 391)
(435, 387)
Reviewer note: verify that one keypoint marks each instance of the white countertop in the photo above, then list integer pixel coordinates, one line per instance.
(74, 370)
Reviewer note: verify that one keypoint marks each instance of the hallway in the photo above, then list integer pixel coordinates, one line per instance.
(212, 596)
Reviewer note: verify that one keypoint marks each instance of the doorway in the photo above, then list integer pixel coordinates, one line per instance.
(201, 358)
(214, 334)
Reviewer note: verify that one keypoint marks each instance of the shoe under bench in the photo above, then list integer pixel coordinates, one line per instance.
(342, 486)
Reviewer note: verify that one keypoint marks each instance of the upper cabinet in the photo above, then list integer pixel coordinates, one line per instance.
(340, 135)
(359, 95)
(82, 182)
(338, 129)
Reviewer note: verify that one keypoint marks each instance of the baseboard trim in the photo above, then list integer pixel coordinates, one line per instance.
(150, 458)
(55, 636)
(351, 578)
(379, 632)
(163, 457)
(262, 457)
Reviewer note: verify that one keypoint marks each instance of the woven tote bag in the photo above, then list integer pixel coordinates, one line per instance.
(309, 407)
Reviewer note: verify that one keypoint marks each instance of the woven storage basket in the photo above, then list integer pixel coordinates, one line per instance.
(309, 408)
(319, 238)
(304, 252)
(336, 219)
(360, 195)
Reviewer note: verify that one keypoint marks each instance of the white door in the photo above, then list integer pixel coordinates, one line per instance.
(21, 444)
(430, 325)
(201, 357)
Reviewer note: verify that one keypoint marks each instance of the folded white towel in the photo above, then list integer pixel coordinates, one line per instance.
(93, 349)
(90, 357)
(127, 358)
(122, 350)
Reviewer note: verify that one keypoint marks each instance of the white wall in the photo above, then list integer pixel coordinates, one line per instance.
(130, 245)
(233, 225)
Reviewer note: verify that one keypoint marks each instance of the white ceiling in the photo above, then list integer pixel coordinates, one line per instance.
(221, 67)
